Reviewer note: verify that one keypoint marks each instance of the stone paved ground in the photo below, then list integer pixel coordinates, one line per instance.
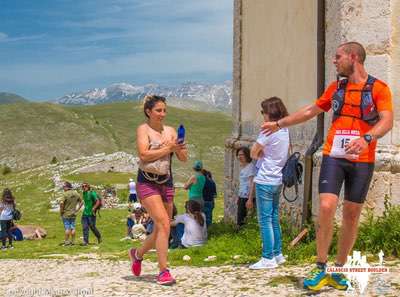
(113, 278)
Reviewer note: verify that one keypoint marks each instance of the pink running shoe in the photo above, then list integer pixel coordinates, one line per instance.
(136, 265)
(165, 278)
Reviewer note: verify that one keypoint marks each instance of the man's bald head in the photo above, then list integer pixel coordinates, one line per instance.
(356, 49)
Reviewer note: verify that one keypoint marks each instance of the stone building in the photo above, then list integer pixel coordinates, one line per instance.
(285, 48)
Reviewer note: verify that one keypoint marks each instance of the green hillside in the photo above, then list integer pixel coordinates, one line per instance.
(33, 133)
(8, 98)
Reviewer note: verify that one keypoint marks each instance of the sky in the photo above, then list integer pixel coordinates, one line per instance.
(49, 48)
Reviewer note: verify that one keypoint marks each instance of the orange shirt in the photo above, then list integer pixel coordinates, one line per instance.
(348, 125)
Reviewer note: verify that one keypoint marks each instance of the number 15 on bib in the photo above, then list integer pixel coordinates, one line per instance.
(341, 140)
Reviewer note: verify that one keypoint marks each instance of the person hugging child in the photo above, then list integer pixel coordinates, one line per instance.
(137, 222)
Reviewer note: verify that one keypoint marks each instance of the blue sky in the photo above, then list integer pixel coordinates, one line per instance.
(49, 48)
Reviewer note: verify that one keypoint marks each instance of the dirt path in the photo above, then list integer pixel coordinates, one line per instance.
(113, 278)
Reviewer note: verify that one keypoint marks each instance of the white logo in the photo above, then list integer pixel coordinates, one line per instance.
(335, 105)
(358, 270)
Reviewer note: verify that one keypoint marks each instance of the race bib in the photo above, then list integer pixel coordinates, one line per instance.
(341, 139)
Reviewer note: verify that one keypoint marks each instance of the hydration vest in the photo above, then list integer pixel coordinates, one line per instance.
(368, 111)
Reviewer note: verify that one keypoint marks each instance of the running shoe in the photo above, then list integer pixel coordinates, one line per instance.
(316, 279)
(136, 265)
(338, 281)
(165, 278)
(264, 263)
(280, 259)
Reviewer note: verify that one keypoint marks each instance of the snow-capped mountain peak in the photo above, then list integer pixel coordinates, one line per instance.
(218, 95)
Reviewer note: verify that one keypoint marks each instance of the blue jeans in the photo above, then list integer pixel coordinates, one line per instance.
(89, 222)
(208, 211)
(177, 234)
(267, 197)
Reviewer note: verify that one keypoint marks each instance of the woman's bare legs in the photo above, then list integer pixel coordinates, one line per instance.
(161, 213)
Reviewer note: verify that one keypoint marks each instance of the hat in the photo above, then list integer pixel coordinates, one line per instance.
(137, 205)
(131, 179)
(198, 165)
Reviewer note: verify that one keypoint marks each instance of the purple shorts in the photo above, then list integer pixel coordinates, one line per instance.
(145, 190)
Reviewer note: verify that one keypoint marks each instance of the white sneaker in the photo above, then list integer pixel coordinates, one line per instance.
(280, 259)
(264, 263)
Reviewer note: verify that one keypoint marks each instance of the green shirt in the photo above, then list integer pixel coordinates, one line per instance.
(89, 199)
(196, 189)
(70, 199)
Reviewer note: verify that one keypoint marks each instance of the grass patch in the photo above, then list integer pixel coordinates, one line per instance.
(225, 241)
(381, 233)
(282, 280)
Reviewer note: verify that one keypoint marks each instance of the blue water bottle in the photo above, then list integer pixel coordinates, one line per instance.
(181, 134)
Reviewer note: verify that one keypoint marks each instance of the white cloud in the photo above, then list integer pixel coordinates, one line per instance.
(173, 63)
(3, 36)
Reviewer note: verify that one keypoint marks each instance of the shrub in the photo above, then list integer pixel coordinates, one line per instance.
(54, 160)
(381, 233)
(6, 170)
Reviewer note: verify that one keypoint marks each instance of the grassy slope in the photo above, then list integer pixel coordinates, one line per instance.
(32, 133)
(35, 132)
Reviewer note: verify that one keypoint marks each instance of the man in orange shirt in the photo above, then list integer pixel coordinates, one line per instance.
(362, 113)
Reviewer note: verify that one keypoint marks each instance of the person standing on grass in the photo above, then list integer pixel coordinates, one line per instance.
(69, 202)
(156, 144)
(7, 207)
(91, 204)
(362, 113)
(195, 184)
(246, 175)
(272, 150)
(209, 195)
(132, 192)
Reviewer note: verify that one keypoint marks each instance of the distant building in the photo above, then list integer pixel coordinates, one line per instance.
(285, 48)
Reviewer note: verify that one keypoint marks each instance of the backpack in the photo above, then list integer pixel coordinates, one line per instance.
(94, 195)
(368, 111)
(292, 174)
(209, 190)
(16, 215)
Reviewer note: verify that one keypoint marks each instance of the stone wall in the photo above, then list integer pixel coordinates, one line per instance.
(265, 46)
(375, 24)
(268, 63)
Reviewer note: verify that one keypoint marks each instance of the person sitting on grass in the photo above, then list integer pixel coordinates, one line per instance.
(68, 204)
(137, 222)
(7, 207)
(195, 228)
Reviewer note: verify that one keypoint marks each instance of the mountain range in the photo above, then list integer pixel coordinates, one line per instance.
(187, 95)
(9, 98)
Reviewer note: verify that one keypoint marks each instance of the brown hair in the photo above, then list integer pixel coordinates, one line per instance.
(354, 47)
(246, 152)
(275, 108)
(194, 208)
(150, 101)
(8, 197)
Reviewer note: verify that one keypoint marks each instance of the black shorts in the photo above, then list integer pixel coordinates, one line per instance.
(356, 177)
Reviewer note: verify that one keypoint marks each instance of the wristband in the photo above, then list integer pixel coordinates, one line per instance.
(277, 124)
